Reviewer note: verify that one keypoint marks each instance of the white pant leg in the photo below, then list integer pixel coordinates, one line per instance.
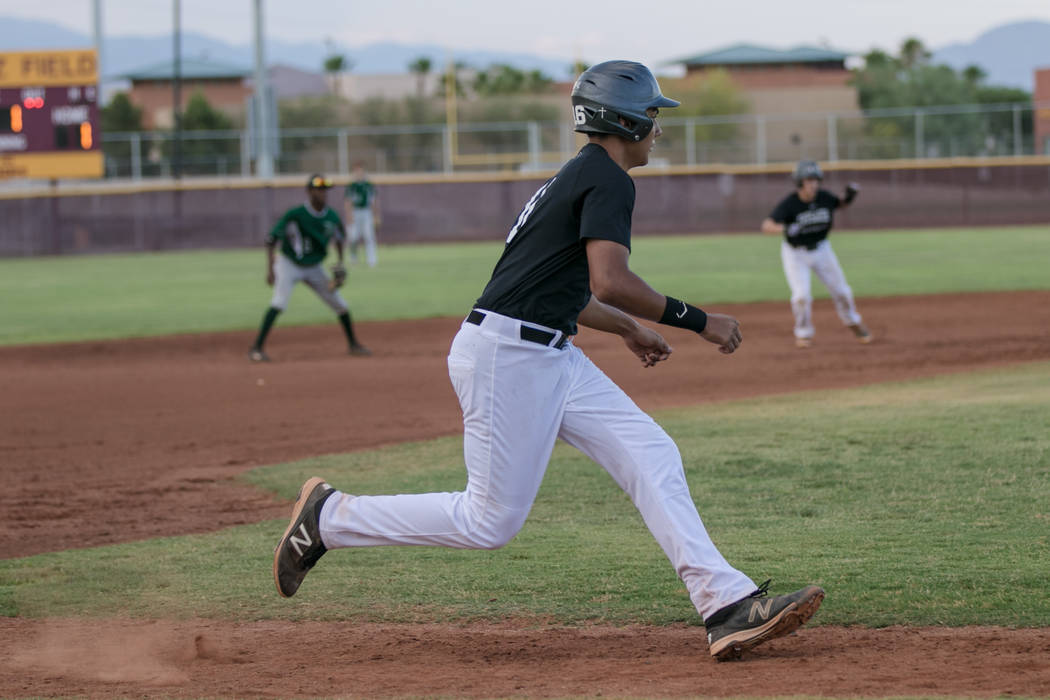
(827, 268)
(605, 424)
(286, 274)
(367, 233)
(796, 269)
(318, 281)
(353, 236)
(513, 395)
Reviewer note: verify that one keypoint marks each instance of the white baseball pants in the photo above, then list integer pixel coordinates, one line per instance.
(518, 397)
(821, 260)
(286, 273)
(362, 229)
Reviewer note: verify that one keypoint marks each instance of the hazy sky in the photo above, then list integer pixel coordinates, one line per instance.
(651, 32)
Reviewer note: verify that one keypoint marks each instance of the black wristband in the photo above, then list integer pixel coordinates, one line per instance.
(681, 315)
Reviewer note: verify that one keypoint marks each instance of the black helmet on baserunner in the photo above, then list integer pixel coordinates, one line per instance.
(607, 92)
(807, 169)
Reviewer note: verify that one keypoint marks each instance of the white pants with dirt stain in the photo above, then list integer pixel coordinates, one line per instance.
(517, 398)
(798, 262)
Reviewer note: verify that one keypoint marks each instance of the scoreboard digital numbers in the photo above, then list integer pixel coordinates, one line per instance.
(49, 115)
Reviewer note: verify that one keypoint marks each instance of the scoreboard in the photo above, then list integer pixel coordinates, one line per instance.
(49, 114)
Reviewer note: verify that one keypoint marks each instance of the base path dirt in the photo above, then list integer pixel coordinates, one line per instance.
(310, 659)
(106, 442)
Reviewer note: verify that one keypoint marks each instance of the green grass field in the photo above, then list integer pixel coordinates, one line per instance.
(922, 503)
(918, 503)
(80, 298)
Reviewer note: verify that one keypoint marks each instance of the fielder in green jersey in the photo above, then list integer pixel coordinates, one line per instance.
(362, 211)
(304, 233)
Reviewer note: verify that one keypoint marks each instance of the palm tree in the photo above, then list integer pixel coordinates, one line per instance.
(334, 64)
(973, 74)
(421, 67)
(452, 75)
(913, 53)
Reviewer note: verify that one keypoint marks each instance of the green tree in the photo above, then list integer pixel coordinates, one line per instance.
(454, 74)
(504, 79)
(201, 116)
(421, 68)
(974, 75)
(909, 80)
(713, 95)
(413, 150)
(119, 116)
(206, 155)
(334, 65)
(914, 53)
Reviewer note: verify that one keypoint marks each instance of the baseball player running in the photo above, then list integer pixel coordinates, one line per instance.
(304, 233)
(804, 218)
(363, 212)
(522, 384)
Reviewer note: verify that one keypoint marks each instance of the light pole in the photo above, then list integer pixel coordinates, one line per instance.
(176, 89)
(264, 157)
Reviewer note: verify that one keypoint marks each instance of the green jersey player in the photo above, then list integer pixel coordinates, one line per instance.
(362, 210)
(304, 233)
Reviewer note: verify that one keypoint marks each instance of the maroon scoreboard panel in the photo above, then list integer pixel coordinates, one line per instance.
(49, 115)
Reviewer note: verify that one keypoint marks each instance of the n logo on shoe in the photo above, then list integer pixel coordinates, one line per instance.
(760, 609)
(299, 542)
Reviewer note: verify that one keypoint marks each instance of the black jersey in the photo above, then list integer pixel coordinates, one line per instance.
(814, 218)
(543, 276)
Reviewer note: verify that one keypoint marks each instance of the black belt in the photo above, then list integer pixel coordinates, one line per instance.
(533, 335)
(808, 246)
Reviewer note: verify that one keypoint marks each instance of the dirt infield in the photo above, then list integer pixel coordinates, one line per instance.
(115, 441)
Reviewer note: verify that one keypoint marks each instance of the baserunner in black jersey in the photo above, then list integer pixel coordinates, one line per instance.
(804, 218)
(522, 384)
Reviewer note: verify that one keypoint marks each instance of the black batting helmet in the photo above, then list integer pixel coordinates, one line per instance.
(807, 169)
(605, 92)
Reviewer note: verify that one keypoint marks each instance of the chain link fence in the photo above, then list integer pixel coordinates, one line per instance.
(928, 132)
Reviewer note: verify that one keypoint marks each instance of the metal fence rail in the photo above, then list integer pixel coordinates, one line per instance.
(927, 132)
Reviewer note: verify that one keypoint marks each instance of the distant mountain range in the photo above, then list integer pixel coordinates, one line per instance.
(125, 54)
(1008, 54)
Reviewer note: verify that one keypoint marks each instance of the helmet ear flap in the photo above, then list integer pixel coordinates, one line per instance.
(591, 117)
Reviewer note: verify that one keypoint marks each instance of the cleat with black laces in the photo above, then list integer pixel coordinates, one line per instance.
(301, 546)
(757, 619)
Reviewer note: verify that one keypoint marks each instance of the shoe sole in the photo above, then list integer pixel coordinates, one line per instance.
(789, 620)
(300, 502)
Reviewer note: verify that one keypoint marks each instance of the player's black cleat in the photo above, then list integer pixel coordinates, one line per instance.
(757, 619)
(359, 350)
(301, 546)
